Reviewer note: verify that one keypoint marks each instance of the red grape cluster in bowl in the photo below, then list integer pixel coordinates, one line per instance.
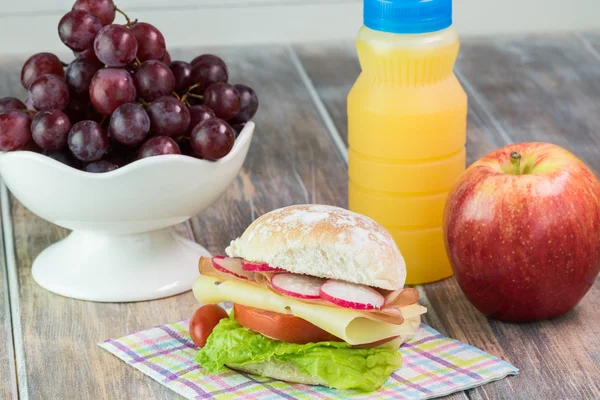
(122, 98)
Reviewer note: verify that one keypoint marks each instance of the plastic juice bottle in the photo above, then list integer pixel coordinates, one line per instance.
(407, 117)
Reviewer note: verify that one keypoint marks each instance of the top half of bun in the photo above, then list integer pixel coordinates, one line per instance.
(324, 241)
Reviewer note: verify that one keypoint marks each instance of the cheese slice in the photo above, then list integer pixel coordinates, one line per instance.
(352, 326)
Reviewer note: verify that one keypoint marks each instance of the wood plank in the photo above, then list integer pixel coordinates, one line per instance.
(591, 41)
(538, 89)
(8, 383)
(332, 68)
(63, 333)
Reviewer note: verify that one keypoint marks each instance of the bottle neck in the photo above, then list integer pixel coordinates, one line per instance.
(402, 60)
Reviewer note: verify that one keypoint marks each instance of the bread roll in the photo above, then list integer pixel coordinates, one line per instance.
(324, 241)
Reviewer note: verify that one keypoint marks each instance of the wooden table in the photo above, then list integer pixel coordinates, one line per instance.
(520, 89)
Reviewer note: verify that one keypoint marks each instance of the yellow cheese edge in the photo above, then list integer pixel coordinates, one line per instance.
(352, 326)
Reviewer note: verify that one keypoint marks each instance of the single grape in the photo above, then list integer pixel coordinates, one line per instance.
(208, 69)
(248, 104)
(153, 79)
(158, 146)
(182, 72)
(209, 58)
(223, 99)
(50, 129)
(40, 64)
(101, 166)
(166, 58)
(15, 132)
(78, 28)
(49, 92)
(10, 103)
(212, 139)
(103, 9)
(115, 46)
(198, 114)
(151, 43)
(111, 87)
(88, 141)
(79, 74)
(129, 124)
(63, 156)
(88, 54)
(169, 116)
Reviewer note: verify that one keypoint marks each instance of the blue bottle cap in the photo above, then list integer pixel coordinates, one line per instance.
(408, 16)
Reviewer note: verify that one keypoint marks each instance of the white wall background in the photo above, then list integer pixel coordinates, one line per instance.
(28, 26)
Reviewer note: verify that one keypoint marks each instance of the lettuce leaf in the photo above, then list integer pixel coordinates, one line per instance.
(336, 363)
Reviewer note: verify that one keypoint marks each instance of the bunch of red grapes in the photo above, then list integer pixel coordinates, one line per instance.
(122, 99)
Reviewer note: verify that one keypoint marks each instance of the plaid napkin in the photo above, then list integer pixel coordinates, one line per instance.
(433, 366)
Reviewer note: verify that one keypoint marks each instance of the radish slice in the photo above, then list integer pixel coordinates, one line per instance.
(300, 286)
(259, 267)
(351, 295)
(231, 266)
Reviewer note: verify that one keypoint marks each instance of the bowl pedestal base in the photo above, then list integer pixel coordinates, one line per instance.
(119, 268)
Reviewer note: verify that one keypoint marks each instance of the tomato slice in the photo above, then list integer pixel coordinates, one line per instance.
(288, 328)
(284, 327)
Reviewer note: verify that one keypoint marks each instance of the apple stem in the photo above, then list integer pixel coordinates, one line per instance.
(515, 160)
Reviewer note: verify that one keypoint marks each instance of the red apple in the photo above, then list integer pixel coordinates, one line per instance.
(523, 233)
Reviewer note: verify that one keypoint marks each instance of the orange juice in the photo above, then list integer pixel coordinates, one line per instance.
(407, 116)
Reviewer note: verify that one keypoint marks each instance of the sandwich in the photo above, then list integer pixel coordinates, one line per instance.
(318, 298)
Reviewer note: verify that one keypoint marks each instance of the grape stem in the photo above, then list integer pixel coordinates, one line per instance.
(64, 64)
(129, 22)
(188, 93)
(196, 96)
(136, 63)
(194, 86)
(176, 96)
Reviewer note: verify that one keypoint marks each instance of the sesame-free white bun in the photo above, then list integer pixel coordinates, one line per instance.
(324, 241)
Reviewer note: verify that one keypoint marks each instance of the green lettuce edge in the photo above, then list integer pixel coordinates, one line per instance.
(336, 363)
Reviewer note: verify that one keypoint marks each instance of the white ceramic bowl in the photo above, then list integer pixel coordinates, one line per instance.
(123, 246)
